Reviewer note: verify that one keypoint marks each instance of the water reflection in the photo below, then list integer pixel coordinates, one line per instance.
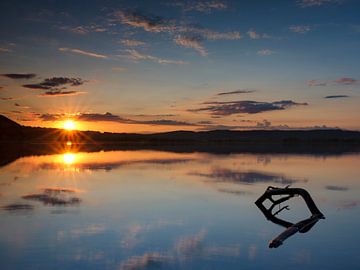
(155, 209)
(69, 158)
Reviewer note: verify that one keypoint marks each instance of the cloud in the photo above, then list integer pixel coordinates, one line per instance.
(336, 188)
(157, 24)
(96, 117)
(254, 35)
(109, 117)
(202, 6)
(119, 69)
(251, 177)
(337, 96)
(316, 3)
(17, 76)
(150, 23)
(265, 52)
(193, 42)
(61, 93)
(346, 81)
(54, 83)
(246, 106)
(137, 56)
(132, 42)
(244, 91)
(316, 83)
(86, 53)
(5, 50)
(301, 29)
(83, 30)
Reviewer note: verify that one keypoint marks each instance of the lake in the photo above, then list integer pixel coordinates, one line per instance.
(148, 209)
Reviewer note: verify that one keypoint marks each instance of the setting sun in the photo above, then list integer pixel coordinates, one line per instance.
(69, 125)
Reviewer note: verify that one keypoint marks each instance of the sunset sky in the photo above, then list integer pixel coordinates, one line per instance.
(150, 66)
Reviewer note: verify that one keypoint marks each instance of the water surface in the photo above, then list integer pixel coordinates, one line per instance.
(163, 210)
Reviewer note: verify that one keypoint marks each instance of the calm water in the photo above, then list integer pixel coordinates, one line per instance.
(162, 210)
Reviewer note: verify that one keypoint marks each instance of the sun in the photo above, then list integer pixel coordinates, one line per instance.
(69, 125)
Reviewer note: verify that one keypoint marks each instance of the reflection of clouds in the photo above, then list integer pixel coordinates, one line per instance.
(55, 197)
(17, 207)
(187, 248)
(302, 257)
(135, 231)
(336, 188)
(348, 204)
(252, 252)
(251, 177)
(191, 245)
(235, 192)
(146, 261)
(108, 166)
(89, 230)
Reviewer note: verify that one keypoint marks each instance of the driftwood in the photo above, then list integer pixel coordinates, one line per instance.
(302, 226)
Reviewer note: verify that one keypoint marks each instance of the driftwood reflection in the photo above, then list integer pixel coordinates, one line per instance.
(302, 226)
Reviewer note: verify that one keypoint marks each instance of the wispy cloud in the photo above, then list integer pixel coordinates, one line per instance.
(301, 29)
(86, 53)
(83, 30)
(109, 117)
(316, 3)
(137, 56)
(255, 35)
(119, 69)
(202, 6)
(265, 52)
(5, 50)
(54, 83)
(240, 91)
(61, 93)
(346, 81)
(17, 76)
(341, 81)
(316, 83)
(56, 86)
(193, 42)
(150, 23)
(246, 106)
(157, 24)
(337, 96)
(132, 42)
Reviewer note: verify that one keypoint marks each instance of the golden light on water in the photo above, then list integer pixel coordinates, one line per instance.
(68, 158)
(69, 125)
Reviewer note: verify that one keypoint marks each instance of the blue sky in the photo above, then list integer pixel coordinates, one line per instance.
(149, 66)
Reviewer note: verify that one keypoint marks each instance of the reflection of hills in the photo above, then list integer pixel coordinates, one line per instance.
(17, 141)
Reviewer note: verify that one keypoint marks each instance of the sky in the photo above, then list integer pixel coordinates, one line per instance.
(154, 66)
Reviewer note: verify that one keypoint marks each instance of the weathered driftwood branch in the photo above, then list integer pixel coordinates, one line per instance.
(302, 226)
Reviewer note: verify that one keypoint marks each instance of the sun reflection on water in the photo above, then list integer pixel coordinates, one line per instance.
(69, 158)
